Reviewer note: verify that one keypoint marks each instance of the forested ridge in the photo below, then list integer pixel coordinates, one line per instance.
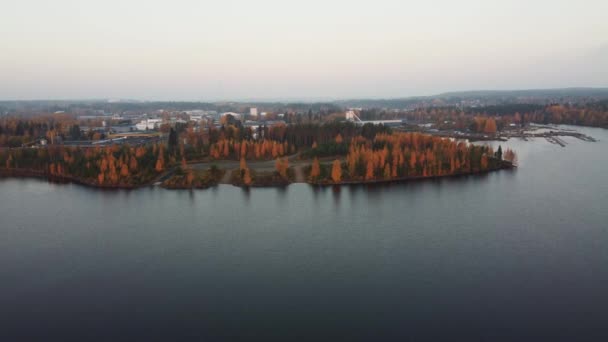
(592, 115)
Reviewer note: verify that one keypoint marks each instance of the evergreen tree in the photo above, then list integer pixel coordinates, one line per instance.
(498, 153)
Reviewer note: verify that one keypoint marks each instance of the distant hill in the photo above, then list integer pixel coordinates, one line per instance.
(383, 103)
(558, 92)
(482, 98)
(476, 101)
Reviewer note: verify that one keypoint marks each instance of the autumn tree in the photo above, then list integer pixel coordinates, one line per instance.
(244, 149)
(490, 126)
(160, 163)
(413, 160)
(510, 156)
(484, 162)
(387, 171)
(124, 171)
(247, 177)
(315, 170)
(336, 171)
(189, 177)
(369, 170)
(281, 165)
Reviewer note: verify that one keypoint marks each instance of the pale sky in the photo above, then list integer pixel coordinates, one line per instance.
(280, 49)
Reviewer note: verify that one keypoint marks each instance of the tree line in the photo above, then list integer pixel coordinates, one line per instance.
(405, 155)
(473, 118)
(103, 166)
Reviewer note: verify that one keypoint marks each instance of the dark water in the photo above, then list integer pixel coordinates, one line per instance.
(510, 256)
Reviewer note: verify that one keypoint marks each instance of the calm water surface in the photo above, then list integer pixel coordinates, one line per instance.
(514, 255)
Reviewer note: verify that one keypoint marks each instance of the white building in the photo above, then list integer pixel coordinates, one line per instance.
(195, 112)
(237, 116)
(350, 115)
(148, 124)
(253, 111)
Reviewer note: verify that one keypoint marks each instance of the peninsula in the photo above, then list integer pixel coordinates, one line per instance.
(185, 145)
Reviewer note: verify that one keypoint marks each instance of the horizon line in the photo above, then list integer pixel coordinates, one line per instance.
(304, 99)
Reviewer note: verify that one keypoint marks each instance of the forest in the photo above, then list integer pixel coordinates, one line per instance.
(111, 166)
(408, 155)
(359, 153)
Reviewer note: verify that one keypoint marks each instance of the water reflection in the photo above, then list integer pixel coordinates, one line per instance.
(191, 196)
(315, 190)
(336, 192)
(282, 192)
(246, 192)
(214, 190)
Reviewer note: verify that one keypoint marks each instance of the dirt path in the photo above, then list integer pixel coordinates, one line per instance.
(226, 178)
(163, 176)
(257, 165)
(299, 174)
(260, 165)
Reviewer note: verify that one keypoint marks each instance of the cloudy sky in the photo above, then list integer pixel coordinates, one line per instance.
(281, 49)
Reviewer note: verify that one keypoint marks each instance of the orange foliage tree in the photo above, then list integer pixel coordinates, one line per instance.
(510, 156)
(247, 177)
(490, 126)
(315, 170)
(281, 165)
(336, 171)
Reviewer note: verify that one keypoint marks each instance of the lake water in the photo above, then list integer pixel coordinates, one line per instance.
(514, 255)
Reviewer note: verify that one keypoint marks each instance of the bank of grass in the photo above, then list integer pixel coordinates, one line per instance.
(194, 179)
(262, 178)
(43, 174)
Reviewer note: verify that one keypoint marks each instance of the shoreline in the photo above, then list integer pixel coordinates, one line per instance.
(27, 173)
(506, 166)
